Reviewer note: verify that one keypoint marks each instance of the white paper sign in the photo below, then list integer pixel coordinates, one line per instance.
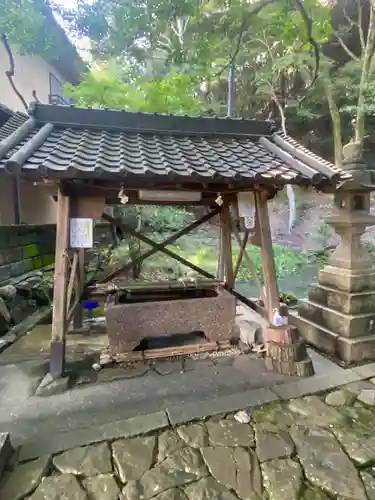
(246, 204)
(81, 233)
(246, 208)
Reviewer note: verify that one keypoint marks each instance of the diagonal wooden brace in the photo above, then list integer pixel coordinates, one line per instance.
(156, 247)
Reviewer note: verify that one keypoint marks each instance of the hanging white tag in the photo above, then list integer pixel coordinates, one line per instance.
(249, 222)
(246, 204)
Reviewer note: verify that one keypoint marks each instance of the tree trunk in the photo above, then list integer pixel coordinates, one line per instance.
(336, 122)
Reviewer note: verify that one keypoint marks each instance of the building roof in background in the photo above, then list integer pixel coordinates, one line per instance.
(15, 120)
(5, 114)
(66, 142)
(67, 62)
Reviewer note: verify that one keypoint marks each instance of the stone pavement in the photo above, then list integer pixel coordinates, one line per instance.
(315, 447)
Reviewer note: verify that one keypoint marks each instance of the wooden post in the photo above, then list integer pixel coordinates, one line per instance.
(80, 283)
(286, 352)
(226, 232)
(268, 264)
(60, 286)
(220, 261)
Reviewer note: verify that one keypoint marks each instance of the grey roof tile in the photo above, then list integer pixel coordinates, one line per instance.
(12, 124)
(93, 151)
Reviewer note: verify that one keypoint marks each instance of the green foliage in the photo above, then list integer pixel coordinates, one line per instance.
(164, 219)
(202, 252)
(25, 24)
(176, 54)
(174, 94)
(287, 262)
(171, 56)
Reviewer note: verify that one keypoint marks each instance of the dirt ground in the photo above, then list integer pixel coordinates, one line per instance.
(310, 232)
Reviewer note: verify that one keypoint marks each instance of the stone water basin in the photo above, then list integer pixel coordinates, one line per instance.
(147, 314)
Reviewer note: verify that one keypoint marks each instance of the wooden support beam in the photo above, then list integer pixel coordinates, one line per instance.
(226, 231)
(271, 300)
(60, 286)
(220, 261)
(80, 284)
(159, 246)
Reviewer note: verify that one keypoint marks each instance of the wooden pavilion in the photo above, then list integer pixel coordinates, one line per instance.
(87, 156)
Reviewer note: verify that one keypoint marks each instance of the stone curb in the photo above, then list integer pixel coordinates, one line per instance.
(181, 414)
(313, 385)
(365, 371)
(130, 427)
(185, 413)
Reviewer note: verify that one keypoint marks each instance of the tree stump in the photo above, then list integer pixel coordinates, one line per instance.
(286, 352)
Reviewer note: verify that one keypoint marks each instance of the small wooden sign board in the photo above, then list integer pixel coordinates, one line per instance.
(81, 233)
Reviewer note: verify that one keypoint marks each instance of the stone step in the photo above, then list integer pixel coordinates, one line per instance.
(313, 333)
(351, 350)
(346, 325)
(347, 303)
(6, 450)
(347, 280)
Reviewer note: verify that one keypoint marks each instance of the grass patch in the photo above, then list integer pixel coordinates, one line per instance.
(202, 250)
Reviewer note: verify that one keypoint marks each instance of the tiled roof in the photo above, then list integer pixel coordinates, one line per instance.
(66, 141)
(12, 124)
(5, 114)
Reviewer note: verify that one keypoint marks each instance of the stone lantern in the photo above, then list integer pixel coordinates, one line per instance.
(339, 314)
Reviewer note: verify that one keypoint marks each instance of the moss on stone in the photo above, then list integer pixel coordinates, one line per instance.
(351, 417)
(37, 263)
(268, 413)
(30, 251)
(48, 259)
(313, 493)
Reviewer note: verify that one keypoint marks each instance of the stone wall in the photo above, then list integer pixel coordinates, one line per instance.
(29, 248)
(24, 249)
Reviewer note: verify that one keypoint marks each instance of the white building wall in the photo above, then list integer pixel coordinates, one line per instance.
(31, 73)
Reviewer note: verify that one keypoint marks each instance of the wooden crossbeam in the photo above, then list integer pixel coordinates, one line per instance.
(156, 247)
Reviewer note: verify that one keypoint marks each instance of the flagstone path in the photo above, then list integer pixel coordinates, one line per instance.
(316, 447)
